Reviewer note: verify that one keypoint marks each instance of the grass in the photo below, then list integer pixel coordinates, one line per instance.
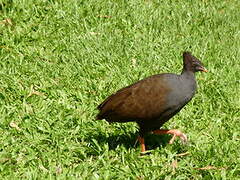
(60, 59)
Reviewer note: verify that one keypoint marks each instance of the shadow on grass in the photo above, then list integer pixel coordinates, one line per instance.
(129, 140)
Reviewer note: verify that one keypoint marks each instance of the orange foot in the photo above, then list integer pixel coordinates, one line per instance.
(174, 132)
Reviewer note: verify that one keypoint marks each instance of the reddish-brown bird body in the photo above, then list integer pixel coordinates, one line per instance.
(152, 101)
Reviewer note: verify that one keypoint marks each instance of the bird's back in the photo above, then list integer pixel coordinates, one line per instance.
(145, 99)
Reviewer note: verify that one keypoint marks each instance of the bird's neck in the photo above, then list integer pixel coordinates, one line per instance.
(187, 71)
(189, 81)
(187, 74)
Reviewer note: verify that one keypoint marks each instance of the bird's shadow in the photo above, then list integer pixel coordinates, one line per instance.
(129, 140)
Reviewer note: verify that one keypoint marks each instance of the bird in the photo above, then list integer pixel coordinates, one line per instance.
(153, 101)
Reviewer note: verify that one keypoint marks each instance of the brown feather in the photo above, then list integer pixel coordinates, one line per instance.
(130, 103)
(153, 101)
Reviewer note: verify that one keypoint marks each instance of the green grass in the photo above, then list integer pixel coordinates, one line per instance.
(60, 59)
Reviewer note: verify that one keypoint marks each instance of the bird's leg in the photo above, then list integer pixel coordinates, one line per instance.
(142, 144)
(174, 132)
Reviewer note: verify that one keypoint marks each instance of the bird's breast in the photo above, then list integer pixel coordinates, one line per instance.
(181, 93)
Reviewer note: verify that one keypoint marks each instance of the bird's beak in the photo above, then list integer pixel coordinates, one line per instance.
(201, 68)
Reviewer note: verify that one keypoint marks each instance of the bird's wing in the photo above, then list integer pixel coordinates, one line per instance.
(112, 102)
(144, 99)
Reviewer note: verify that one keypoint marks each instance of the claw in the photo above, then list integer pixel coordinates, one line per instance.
(172, 139)
(183, 138)
(175, 133)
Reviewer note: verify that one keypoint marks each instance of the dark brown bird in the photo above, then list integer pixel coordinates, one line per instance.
(153, 101)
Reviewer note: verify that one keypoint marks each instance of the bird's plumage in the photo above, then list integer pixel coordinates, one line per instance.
(154, 100)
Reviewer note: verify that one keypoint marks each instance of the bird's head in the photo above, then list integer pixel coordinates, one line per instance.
(191, 63)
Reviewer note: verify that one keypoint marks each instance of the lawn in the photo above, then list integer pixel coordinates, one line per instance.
(60, 59)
